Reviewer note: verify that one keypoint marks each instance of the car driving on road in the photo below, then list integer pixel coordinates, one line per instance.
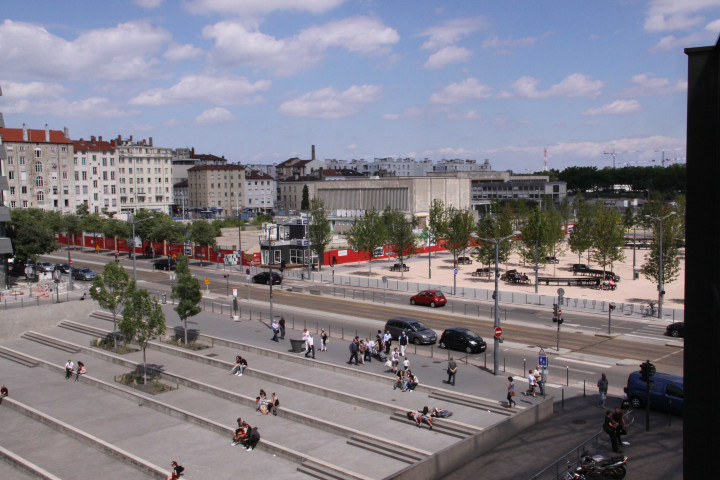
(430, 298)
(264, 277)
(83, 274)
(165, 264)
(416, 331)
(463, 340)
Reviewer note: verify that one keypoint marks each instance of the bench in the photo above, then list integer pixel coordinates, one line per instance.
(482, 272)
(399, 267)
(582, 281)
(464, 261)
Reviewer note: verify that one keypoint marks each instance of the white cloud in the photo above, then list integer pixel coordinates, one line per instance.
(468, 89)
(618, 107)
(454, 152)
(671, 42)
(575, 85)
(245, 7)
(469, 115)
(182, 52)
(495, 41)
(148, 4)
(118, 53)
(214, 116)
(220, 90)
(235, 44)
(646, 84)
(408, 113)
(668, 15)
(329, 103)
(451, 31)
(15, 90)
(448, 55)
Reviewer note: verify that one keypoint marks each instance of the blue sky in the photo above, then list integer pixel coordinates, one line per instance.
(259, 81)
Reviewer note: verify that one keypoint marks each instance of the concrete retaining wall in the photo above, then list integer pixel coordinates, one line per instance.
(14, 322)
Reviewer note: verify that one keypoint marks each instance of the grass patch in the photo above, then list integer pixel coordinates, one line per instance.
(136, 380)
(108, 344)
(191, 345)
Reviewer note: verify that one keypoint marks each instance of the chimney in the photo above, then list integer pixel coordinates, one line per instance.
(25, 133)
(92, 138)
(130, 138)
(47, 133)
(151, 141)
(313, 153)
(66, 131)
(100, 138)
(119, 140)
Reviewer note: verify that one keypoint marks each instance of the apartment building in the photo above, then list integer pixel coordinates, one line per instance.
(260, 192)
(144, 175)
(6, 250)
(95, 163)
(39, 168)
(216, 189)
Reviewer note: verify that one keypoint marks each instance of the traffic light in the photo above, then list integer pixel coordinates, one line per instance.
(555, 313)
(647, 371)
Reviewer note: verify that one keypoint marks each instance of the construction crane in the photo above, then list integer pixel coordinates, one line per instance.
(663, 150)
(614, 153)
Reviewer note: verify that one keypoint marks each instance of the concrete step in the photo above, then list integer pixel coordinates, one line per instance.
(50, 342)
(17, 358)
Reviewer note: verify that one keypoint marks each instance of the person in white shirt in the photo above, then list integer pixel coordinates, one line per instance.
(395, 359)
(69, 366)
(276, 329)
(305, 337)
(387, 340)
(310, 346)
(531, 384)
(370, 344)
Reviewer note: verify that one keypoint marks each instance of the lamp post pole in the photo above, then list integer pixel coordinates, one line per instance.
(661, 293)
(70, 280)
(496, 349)
(133, 222)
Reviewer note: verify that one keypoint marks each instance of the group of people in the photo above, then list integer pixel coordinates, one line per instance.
(246, 435)
(265, 405)
(309, 342)
(426, 416)
(239, 366)
(614, 426)
(406, 380)
(535, 380)
(278, 328)
(70, 367)
(362, 351)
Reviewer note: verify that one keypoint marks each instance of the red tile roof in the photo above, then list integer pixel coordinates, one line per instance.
(255, 175)
(34, 136)
(182, 184)
(92, 146)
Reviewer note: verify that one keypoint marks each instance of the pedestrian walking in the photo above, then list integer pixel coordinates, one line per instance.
(276, 329)
(395, 359)
(531, 384)
(176, 471)
(539, 380)
(323, 340)
(510, 392)
(281, 323)
(354, 348)
(403, 343)
(387, 340)
(310, 346)
(451, 371)
(602, 385)
(305, 337)
(610, 427)
(69, 366)
(406, 364)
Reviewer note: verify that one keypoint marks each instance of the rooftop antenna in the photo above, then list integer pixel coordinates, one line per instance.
(545, 162)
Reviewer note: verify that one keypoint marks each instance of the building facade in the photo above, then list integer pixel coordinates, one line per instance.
(95, 165)
(6, 250)
(216, 189)
(144, 175)
(39, 169)
(260, 192)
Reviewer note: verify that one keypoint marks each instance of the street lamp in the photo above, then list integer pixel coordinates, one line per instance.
(496, 242)
(133, 222)
(661, 293)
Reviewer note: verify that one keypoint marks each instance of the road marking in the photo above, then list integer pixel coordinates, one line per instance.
(592, 364)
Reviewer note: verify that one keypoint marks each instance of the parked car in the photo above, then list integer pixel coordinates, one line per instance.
(676, 329)
(83, 274)
(666, 392)
(165, 264)
(431, 298)
(463, 340)
(63, 267)
(579, 267)
(415, 330)
(551, 259)
(264, 277)
(44, 267)
(464, 261)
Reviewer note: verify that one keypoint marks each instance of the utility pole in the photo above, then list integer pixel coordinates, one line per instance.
(661, 292)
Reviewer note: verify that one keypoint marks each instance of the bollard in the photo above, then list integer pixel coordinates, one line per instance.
(317, 328)
(503, 364)
(342, 333)
(562, 398)
(524, 366)
(431, 352)
(567, 376)
(486, 361)
(584, 394)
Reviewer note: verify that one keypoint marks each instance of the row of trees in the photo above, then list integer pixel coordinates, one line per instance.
(668, 181)
(142, 318)
(33, 230)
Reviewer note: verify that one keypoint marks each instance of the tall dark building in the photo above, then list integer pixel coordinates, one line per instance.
(6, 250)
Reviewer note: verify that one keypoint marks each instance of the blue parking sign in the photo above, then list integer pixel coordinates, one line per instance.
(543, 361)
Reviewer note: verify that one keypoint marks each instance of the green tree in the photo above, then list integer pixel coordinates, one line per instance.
(487, 227)
(204, 234)
(608, 238)
(367, 234)
(537, 238)
(108, 289)
(72, 226)
(400, 235)
(143, 319)
(320, 231)
(82, 210)
(671, 237)
(31, 233)
(461, 225)
(581, 239)
(437, 222)
(116, 229)
(305, 202)
(187, 291)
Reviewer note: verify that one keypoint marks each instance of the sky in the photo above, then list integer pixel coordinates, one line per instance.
(260, 81)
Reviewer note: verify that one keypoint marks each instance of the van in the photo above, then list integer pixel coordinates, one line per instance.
(415, 330)
(666, 392)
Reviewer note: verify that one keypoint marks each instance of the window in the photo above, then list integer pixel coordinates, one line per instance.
(10, 160)
(112, 175)
(22, 159)
(112, 189)
(11, 175)
(12, 190)
(77, 176)
(39, 181)
(64, 175)
(38, 153)
(25, 204)
(94, 170)
(84, 175)
(82, 161)
(41, 196)
(105, 177)
(95, 184)
(38, 167)
(12, 203)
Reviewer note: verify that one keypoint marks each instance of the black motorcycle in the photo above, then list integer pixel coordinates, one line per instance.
(599, 467)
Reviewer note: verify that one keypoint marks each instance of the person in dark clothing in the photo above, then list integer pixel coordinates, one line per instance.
(282, 328)
(176, 471)
(620, 420)
(354, 349)
(611, 428)
(451, 371)
(252, 439)
(3, 392)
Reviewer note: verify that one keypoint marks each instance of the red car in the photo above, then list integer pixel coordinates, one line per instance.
(433, 298)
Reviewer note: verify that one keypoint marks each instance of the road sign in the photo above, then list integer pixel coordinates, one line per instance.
(455, 272)
(247, 271)
(207, 281)
(235, 293)
(498, 332)
(559, 312)
(543, 361)
(97, 247)
(70, 262)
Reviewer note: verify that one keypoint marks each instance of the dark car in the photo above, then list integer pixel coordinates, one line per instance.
(676, 329)
(83, 274)
(165, 264)
(264, 277)
(431, 298)
(63, 267)
(464, 261)
(415, 330)
(667, 392)
(463, 340)
(579, 267)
